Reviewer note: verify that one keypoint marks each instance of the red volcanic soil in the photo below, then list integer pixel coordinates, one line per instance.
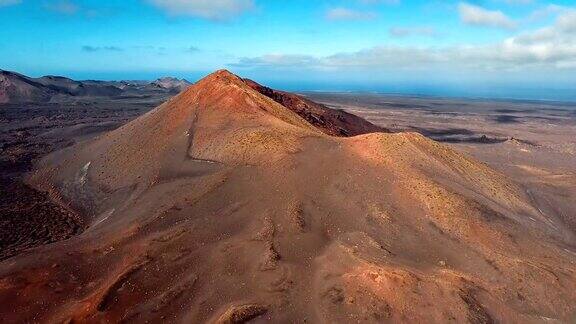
(226, 205)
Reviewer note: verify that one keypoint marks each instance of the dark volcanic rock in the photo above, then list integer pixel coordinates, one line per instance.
(330, 121)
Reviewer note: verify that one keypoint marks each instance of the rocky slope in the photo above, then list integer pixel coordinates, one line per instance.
(330, 121)
(223, 205)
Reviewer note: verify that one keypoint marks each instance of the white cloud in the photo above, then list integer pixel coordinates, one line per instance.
(478, 16)
(349, 14)
(546, 11)
(207, 9)
(562, 33)
(553, 45)
(6, 3)
(567, 22)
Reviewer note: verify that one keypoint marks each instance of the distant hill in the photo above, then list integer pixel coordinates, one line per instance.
(172, 84)
(81, 88)
(15, 88)
(18, 88)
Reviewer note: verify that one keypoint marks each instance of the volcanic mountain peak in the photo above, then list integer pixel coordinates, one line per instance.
(224, 74)
(224, 96)
(220, 78)
(223, 84)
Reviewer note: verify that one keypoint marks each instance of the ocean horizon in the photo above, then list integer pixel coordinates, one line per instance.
(506, 94)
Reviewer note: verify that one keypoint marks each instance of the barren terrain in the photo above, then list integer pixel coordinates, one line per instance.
(226, 204)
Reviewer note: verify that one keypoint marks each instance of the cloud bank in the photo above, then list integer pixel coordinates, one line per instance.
(549, 48)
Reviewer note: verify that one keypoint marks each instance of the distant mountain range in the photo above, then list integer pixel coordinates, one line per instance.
(18, 88)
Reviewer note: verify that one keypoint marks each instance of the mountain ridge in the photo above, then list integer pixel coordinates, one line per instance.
(18, 88)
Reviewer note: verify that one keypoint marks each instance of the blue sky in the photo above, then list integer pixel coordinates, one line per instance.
(358, 42)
